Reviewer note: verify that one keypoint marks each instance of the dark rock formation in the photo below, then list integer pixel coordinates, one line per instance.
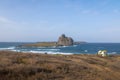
(65, 41)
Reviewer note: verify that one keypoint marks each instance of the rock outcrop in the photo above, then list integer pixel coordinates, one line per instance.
(65, 41)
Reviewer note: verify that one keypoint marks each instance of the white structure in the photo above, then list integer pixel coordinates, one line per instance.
(102, 53)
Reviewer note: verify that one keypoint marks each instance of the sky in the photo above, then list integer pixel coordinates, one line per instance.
(46, 20)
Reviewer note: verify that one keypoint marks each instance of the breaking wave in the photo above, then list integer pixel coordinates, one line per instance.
(8, 48)
(47, 52)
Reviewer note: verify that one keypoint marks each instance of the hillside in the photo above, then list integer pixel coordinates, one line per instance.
(28, 66)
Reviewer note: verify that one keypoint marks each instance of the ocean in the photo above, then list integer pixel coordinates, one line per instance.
(87, 48)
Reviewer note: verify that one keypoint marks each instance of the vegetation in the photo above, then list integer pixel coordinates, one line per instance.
(41, 44)
(28, 66)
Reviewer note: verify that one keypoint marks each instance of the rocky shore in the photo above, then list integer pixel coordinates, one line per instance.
(28, 66)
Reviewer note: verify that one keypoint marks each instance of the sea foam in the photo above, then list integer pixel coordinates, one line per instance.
(8, 48)
(46, 52)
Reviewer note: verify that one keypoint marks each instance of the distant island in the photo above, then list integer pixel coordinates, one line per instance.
(63, 40)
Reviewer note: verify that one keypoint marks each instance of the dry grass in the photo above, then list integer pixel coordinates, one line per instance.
(41, 44)
(28, 66)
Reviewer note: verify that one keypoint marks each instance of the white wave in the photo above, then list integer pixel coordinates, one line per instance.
(16, 50)
(64, 53)
(113, 53)
(36, 51)
(59, 53)
(63, 46)
(74, 45)
(48, 49)
(41, 47)
(8, 48)
(86, 51)
(11, 48)
(53, 49)
(48, 52)
(41, 52)
(53, 46)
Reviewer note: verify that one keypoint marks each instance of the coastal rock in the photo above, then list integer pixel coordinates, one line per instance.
(65, 41)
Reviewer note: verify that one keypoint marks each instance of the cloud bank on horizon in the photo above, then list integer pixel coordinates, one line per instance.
(45, 20)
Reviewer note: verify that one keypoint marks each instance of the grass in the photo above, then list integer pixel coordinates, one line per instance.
(41, 44)
(28, 66)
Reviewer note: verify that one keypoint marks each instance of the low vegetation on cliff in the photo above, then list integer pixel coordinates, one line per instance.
(22, 66)
(40, 44)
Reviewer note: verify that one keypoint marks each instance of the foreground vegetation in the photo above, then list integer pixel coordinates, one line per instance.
(28, 66)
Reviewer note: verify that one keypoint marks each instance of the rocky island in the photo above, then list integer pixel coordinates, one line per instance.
(62, 41)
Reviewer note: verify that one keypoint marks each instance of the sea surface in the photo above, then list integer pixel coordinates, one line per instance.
(87, 48)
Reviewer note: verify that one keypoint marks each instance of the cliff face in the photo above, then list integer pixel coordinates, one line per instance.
(65, 41)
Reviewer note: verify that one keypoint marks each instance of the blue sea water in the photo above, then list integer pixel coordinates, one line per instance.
(88, 48)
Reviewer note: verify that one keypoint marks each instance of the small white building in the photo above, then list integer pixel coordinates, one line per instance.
(102, 53)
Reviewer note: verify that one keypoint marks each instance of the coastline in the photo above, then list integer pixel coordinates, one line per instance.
(88, 48)
(29, 66)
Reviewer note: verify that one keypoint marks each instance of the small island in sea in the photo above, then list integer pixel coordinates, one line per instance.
(63, 40)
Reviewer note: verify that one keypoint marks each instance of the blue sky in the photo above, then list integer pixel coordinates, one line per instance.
(45, 20)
